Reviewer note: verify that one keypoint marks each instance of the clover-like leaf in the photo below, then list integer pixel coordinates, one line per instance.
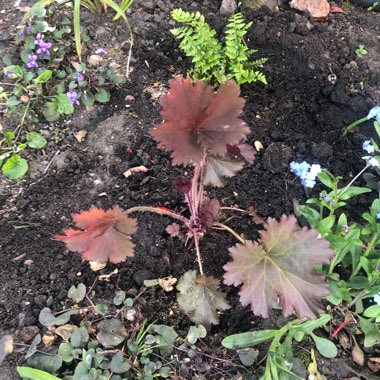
(281, 267)
(103, 235)
(199, 121)
(200, 299)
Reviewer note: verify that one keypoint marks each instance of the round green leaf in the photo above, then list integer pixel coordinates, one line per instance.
(88, 99)
(119, 364)
(101, 309)
(79, 337)
(35, 140)
(44, 76)
(38, 11)
(46, 317)
(103, 96)
(65, 317)
(196, 332)
(65, 351)
(15, 167)
(119, 298)
(325, 347)
(372, 311)
(111, 332)
(77, 294)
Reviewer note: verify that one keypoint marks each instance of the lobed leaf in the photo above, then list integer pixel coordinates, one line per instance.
(218, 168)
(199, 121)
(281, 267)
(103, 235)
(200, 299)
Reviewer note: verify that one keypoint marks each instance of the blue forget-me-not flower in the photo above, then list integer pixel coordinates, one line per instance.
(368, 146)
(374, 113)
(306, 172)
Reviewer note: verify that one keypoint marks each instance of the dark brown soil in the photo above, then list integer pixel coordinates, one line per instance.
(299, 115)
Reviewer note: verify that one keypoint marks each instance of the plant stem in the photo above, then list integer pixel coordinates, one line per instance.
(354, 179)
(367, 252)
(196, 241)
(360, 295)
(159, 210)
(353, 125)
(230, 230)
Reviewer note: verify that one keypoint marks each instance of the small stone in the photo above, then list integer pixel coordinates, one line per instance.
(62, 295)
(100, 30)
(40, 300)
(228, 7)
(129, 98)
(27, 333)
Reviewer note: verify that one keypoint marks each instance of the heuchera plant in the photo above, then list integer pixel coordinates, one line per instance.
(203, 129)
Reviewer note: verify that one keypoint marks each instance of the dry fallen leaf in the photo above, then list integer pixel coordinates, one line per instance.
(95, 266)
(6, 346)
(136, 169)
(357, 354)
(106, 277)
(48, 339)
(80, 136)
(344, 341)
(374, 364)
(28, 262)
(167, 283)
(94, 60)
(65, 331)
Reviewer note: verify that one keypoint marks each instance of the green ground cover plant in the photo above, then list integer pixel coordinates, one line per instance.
(216, 62)
(42, 81)
(95, 6)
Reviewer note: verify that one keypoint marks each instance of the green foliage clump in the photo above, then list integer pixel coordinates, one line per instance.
(215, 62)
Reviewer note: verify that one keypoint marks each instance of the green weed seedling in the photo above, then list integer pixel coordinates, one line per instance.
(280, 356)
(109, 343)
(12, 164)
(213, 61)
(361, 51)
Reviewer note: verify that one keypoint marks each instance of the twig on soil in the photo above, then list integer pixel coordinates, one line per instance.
(51, 161)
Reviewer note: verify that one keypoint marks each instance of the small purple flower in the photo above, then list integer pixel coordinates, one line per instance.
(29, 28)
(378, 215)
(368, 146)
(21, 33)
(345, 228)
(325, 197)
(43, 46)
(332, 203)
(101, 51)
(32, 61)
(9, 73)
(80, 77)
(72, 95)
